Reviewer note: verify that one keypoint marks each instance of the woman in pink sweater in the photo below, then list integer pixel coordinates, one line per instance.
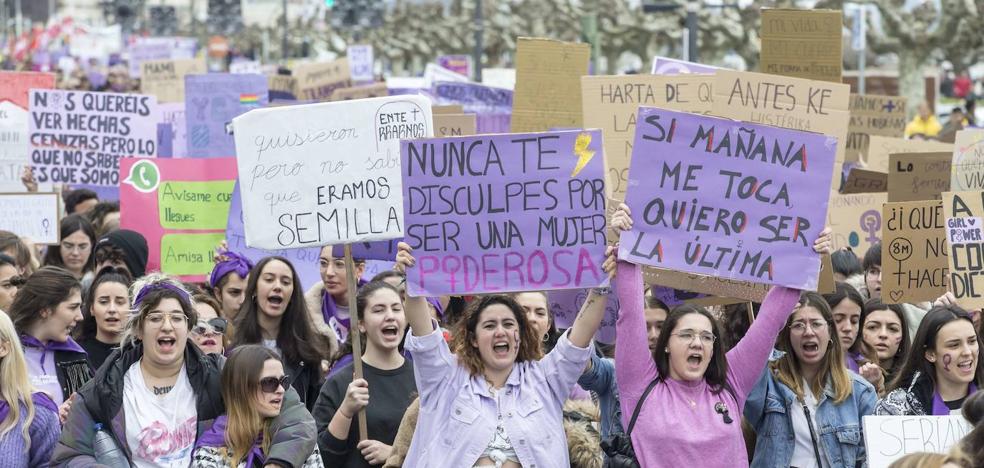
(693, 413)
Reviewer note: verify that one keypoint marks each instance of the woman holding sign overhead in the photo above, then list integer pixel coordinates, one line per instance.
(689, 391)
(494, 402)
(942, 369)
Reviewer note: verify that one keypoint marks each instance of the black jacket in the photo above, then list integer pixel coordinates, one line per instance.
(306, 379)
(71, 367)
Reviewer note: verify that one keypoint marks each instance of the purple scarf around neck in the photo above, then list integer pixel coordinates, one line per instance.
(939, 406)
(329, 309)
(215, 437)
(39, 399)
(68, 345)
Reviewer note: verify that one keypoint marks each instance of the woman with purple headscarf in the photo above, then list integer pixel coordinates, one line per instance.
(327, 302)
(228, 281)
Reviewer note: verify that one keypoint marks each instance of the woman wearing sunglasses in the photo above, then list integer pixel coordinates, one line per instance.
(807, 389)
(105, 310)
(253, 388)
(209, 332)
(156, 395)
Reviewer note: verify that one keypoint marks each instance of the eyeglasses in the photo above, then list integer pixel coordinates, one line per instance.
(688, 335)
(156, 319)
(270, 384)
(215, 326)
(799, 326)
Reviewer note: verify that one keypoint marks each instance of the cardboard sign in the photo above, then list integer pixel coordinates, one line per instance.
(515, 212)
(611, 103)
(316, 81)
(360, 92)
(441, 110)
(865, 181)
(15, 150)
(31, 215)
(699, 185)
(165, 78)
(964, 212)
(813, 106)
(914, 250)
(360, 60)
(492, 106)
(159, 48)
(282, 88)
(872, 114)
(889, 438)
(918, 176)
(710, 285)
(181, 207)
(211, 102)
(968, 161)
(78, 137)
(328, 173)
(548, 84)
(446, 125)
(565, 304)
(856, 220)
(802, 43)
(879, 149)
(672, 66)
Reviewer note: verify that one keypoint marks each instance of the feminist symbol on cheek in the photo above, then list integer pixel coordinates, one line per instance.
(946, 362)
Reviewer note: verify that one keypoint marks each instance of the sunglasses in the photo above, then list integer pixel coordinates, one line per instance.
(270, 384)
(216, 325)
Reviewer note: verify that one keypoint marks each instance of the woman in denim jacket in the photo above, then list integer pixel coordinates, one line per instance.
(807, 406)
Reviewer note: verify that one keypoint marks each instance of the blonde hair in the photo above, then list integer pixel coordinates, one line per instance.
(920, 460)
(15, 385)
(134, 325)
(240, 384)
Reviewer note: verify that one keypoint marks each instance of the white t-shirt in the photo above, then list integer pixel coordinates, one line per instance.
(803, 454)
(160, 429)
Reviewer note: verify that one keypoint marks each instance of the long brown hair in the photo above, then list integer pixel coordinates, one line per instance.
(716, 374)
(45, 289)
(787, 369)
(240, 384)
(464, 334)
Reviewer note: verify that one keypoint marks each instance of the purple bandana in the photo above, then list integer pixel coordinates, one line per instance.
(157, 287)
(215, 437)
(39, 399)
(233, 263)
(939, 406)
(329, 310)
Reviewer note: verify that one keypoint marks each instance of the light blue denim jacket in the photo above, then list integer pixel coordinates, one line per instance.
(840, 436)
(601, 380)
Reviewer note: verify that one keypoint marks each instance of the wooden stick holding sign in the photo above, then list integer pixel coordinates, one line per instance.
(354, 336)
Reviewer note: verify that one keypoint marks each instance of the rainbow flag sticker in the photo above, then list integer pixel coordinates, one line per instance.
(249, 99)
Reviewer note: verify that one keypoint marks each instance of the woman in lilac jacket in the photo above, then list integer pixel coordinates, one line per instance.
(494, 402)
(693, 414)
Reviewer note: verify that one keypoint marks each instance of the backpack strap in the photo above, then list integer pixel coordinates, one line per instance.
(638, 407)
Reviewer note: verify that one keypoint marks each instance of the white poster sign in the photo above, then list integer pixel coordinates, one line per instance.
(889, 438)
(32, 215)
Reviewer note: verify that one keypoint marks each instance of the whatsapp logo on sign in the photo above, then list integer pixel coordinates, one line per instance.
(144, 176)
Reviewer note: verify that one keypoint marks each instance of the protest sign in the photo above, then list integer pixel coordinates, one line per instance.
(548, 84)
(865, 181)
(872, 114)
(211, 102)
(159, 48)
(511, 212)
(327, 173)
(813, 106)
(879, 148)
(282, 88)
(14, 147)
(504, 78)
(173, 114)
(316, 81)
(802, 43)
(492, 106)
(914, 266)
(710, 285)
(566, 303)
(165, 78)
(460, 64)
(97, 43)
(442, 110)
(180, 206)
(78, 137)
(434, 73)
(918, 176)
(968, 161)
(360, 60)
(672, 66)
(360, 92)
(889, 438)
(745, 174)
(305, 260)
(31, 215)
(611, 103)
(964, 213)
(856, 220)
(244, 67)
(446, 125)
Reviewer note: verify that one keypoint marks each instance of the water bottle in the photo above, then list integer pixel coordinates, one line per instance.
(106, 451)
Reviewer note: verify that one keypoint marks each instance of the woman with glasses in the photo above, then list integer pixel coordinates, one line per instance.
(156, 395)
(809, 388)
(106, 307)
(10, 280)
(253, 389)
(387, 377)
(694, 392)
(209, 332)
(75, 251)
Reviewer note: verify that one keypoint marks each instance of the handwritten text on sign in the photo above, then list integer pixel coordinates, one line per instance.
(963, 211)
(505, 212)
(914, 252)
(79, 137)
(32, 215)
(326, 173)
(889, 438)
(728, 199)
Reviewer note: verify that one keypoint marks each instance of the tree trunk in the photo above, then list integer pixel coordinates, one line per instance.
(912, 64)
